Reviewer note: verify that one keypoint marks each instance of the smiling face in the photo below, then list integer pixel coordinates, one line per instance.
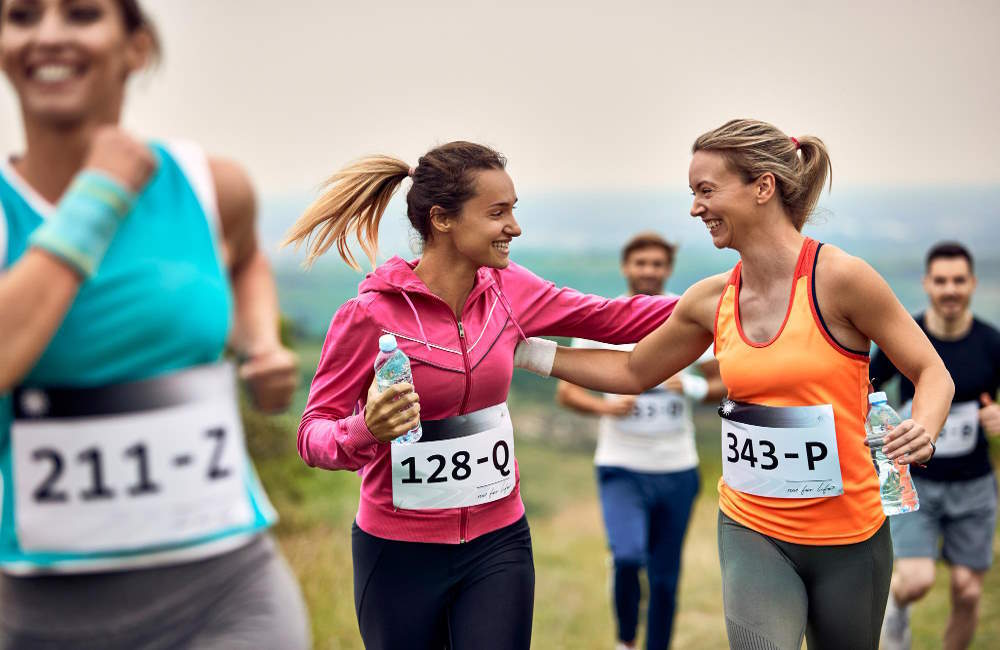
(949, 284)
(484, 228)
(68, 60)
(724, 203)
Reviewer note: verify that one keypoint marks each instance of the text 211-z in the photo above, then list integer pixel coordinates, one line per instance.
(48, 492)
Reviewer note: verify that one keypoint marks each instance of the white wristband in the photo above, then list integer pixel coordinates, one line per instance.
(695, 387)
(536, 355)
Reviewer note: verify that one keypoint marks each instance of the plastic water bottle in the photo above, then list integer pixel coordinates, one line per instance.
(894, 480)
(392, 367)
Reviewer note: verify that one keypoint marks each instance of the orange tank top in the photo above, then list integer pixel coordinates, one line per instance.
(803, 365)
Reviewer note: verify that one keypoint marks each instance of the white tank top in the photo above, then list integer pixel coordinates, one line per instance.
(658, 436)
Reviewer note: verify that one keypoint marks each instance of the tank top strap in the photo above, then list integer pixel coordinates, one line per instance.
(734, 275)
(807, 258)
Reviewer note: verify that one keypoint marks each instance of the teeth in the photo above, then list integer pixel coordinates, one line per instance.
(502, 246)
(53, 73)
(712, 224)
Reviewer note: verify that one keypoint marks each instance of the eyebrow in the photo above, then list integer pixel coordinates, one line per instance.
(504, 203)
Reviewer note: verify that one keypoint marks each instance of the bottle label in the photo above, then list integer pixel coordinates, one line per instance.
(656, 413)
(130, 467)
(461, 461)
(788, 452)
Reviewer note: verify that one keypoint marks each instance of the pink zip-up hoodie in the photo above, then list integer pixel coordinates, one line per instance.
(459, 365)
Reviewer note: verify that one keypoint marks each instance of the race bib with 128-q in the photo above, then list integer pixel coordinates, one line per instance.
(461, 461)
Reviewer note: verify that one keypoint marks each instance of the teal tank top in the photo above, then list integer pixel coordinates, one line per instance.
(160, 302)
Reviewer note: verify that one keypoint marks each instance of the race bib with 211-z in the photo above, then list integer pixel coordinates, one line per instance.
(135, 466)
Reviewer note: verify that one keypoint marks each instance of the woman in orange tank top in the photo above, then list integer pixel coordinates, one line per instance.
(803, 543)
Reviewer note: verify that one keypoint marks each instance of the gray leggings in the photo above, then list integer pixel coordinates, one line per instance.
(775, 593)
(244, 599)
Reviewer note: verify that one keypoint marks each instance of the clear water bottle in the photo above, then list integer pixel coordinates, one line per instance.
(392, 367)
(894, 480)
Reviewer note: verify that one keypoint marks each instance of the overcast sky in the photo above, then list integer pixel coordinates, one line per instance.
(577, 94)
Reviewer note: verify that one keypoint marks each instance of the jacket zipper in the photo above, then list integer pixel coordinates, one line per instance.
(464, 517)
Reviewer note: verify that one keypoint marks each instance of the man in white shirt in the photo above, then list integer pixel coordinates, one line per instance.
(647, 463)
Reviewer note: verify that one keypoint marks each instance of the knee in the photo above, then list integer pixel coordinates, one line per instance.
(966, 591)
(662, 577)
(914, 585)
(629, 562)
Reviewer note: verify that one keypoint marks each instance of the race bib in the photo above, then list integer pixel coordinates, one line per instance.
(960, 432)
(134, 466)
(466, 460)
(656, 412)
(788, 452)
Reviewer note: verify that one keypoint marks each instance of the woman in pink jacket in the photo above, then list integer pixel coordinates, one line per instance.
(442, 550)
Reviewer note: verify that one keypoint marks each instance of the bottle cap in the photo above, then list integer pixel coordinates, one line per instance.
(876, 398)
(387, 343)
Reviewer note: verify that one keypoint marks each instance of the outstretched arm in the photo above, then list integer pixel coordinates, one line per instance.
(674, 345)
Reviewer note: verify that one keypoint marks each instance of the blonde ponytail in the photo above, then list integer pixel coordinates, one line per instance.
(353, 202)
(814, 170)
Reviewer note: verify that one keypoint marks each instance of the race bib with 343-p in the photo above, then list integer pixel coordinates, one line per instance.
(787, 452)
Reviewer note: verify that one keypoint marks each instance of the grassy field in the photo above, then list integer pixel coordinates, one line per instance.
(572, 607)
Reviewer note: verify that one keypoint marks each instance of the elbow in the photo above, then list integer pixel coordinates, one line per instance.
(302, 442)
(563, 391)
(949, 385)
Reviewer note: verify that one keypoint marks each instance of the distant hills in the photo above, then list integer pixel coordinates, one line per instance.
(574, 238)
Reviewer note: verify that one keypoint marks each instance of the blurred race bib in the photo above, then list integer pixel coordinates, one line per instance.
(656, 412)
(960, 432)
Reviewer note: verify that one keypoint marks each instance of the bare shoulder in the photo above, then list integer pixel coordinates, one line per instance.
(838, 271)
(699, 302)
(237, 207)
(233, 189)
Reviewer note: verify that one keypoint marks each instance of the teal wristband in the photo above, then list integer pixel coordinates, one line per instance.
(85, 222)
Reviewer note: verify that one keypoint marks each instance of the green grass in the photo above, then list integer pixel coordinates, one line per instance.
(572, 607)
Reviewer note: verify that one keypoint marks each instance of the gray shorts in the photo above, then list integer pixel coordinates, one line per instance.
(242, 600)
(956, 521)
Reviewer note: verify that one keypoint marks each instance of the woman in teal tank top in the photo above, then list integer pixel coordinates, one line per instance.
(131, 513)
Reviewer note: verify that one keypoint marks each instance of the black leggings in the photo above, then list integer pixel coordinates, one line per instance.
(775, 592)
(412, 595)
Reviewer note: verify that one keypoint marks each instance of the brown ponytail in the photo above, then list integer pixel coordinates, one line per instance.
(355, 198)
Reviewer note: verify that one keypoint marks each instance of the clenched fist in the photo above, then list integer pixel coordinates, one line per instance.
(117, 154)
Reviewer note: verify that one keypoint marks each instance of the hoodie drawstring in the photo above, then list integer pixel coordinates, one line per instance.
(510, 311)
(420, 325)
